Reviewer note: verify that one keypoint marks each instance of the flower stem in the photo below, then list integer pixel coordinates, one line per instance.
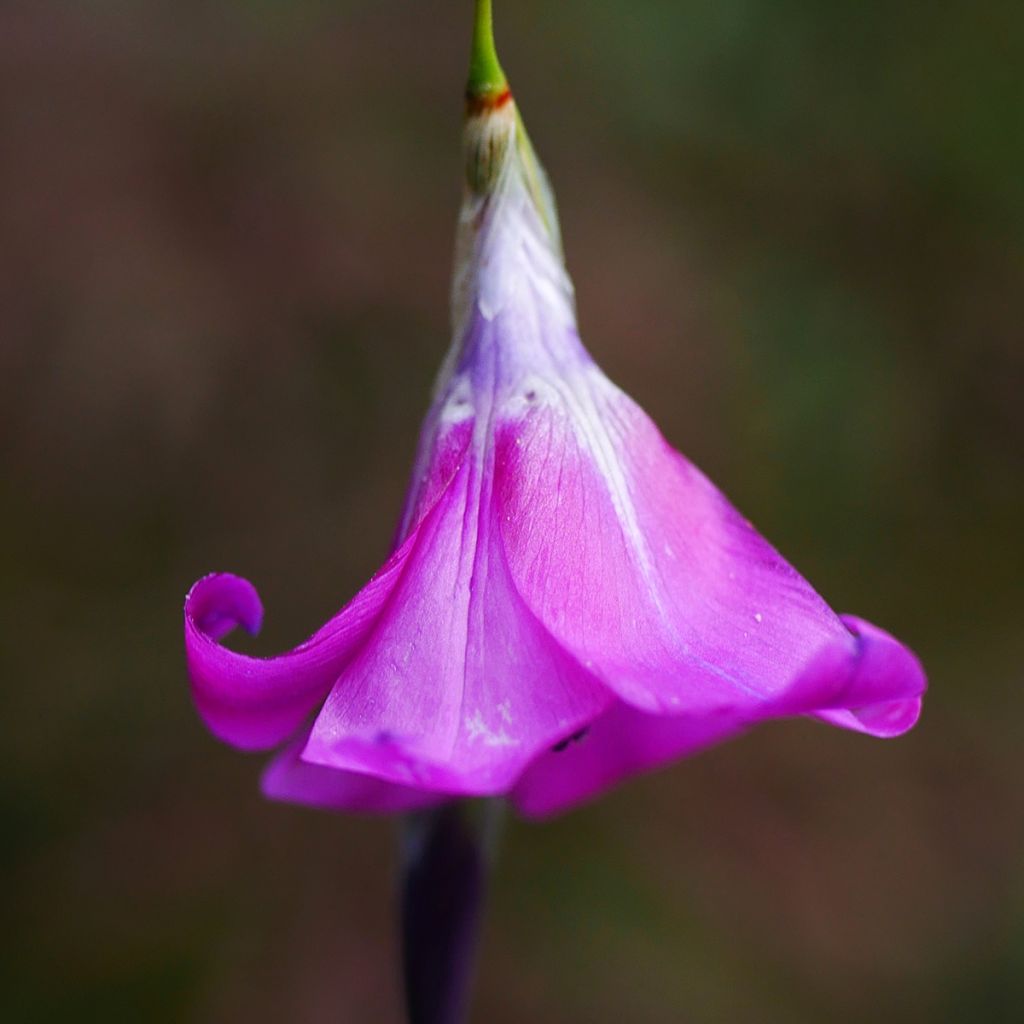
(445, 858)
(485, 75)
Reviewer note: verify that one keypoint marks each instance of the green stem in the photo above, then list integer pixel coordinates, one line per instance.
(485, 75)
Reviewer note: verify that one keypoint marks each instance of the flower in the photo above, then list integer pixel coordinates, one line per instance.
(570, 601)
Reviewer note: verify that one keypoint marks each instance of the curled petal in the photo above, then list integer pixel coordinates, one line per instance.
(220, 602)
(256, 703)
(879, 692)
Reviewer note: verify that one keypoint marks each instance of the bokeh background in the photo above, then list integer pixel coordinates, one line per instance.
(797, 234)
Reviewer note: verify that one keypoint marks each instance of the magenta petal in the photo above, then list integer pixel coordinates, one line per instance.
(871, 684)
(294, 780)
(621, 743)
(256, 703)
(459, 687)
(880, 693)
(641, 567)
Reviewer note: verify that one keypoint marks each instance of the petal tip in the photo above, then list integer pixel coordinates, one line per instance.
(221, 601)
(881, 654)
(883, 693)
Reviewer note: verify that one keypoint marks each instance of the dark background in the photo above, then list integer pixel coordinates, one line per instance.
(797, 234)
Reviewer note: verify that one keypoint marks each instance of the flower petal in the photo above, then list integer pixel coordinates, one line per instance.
(289, 778)
(621, 743)
(458, 687)
(640, 566)
(256, 703)
(878, 694)
(625, 741)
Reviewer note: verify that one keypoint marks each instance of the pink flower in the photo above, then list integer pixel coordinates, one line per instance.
(570, 601)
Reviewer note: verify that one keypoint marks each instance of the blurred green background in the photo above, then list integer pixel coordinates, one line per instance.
(797, 234)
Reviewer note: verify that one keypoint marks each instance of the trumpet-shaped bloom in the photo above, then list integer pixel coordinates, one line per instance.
(570, 600)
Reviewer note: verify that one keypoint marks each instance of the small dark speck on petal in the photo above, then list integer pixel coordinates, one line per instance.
(574, 738)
